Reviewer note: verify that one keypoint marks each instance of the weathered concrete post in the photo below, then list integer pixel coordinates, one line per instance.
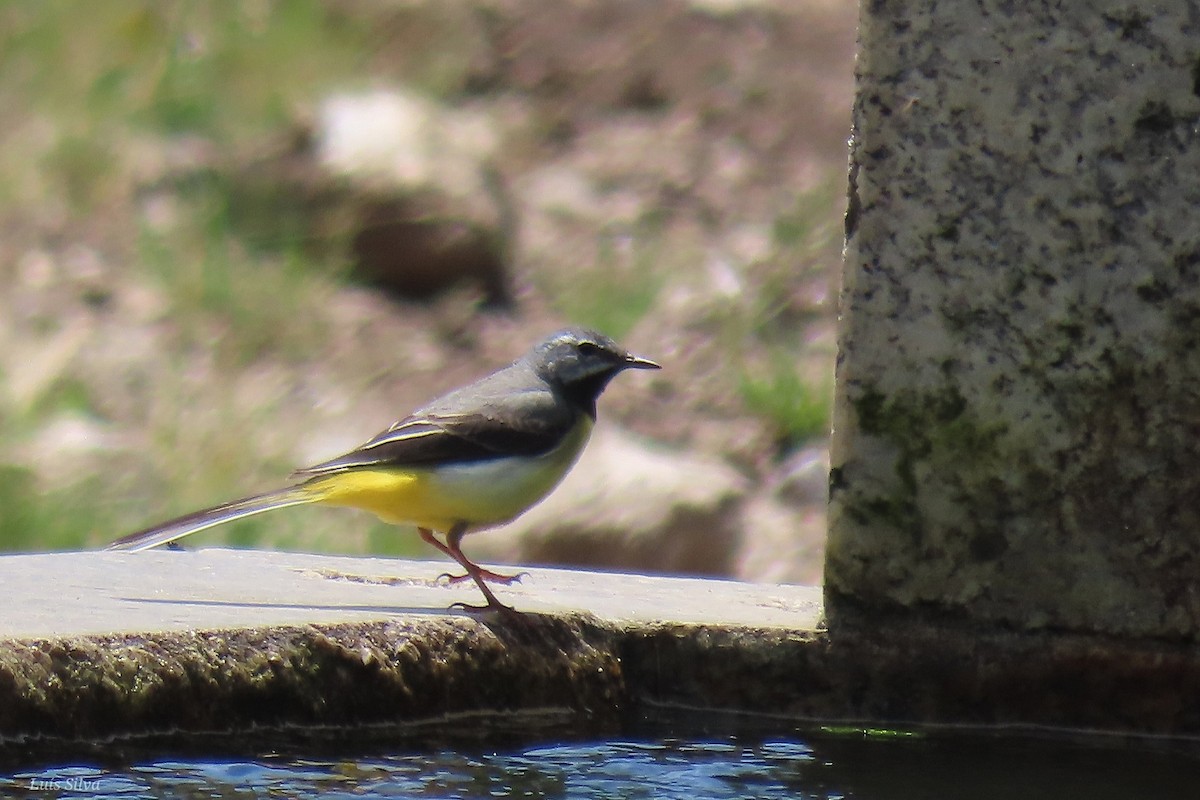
(1017, 431)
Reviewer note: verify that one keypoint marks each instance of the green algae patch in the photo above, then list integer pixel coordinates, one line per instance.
(943, 455)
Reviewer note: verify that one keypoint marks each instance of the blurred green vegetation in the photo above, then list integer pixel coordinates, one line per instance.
(30, 519)
(615, 291)
(796, 409)
(267, 303)
(85, 87)
(766, 329)
(175, 66)
(94, 80)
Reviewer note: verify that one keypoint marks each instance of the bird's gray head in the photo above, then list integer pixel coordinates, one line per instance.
(580, 363)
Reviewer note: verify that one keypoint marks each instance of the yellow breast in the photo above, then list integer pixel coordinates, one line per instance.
(478, 493)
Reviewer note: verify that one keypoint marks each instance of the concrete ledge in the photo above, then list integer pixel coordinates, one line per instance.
(100, 644)
(108, 644)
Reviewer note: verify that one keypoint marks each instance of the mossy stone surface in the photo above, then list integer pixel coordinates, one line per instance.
(233, 642)
(1017, 415)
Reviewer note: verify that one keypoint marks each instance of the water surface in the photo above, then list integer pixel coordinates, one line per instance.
(815, 763)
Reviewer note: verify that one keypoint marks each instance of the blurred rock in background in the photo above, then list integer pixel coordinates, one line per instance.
(629, 504)
(200, 206)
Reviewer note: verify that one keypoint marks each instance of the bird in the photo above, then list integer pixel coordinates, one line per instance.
(471, 459)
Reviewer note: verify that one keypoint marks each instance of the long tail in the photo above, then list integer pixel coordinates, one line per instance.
(217, 515)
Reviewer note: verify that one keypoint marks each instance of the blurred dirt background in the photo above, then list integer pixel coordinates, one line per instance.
(236, 238)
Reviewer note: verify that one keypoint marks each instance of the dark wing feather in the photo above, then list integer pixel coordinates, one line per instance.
(473, 424)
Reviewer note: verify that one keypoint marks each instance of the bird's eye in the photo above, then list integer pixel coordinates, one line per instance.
(589, 348)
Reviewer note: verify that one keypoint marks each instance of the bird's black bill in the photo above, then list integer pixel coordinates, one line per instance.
(637, 362)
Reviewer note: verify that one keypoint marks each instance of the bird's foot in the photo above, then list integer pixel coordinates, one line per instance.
(485, 574)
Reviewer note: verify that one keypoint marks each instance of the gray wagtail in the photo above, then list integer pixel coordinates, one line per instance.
(476, 457)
